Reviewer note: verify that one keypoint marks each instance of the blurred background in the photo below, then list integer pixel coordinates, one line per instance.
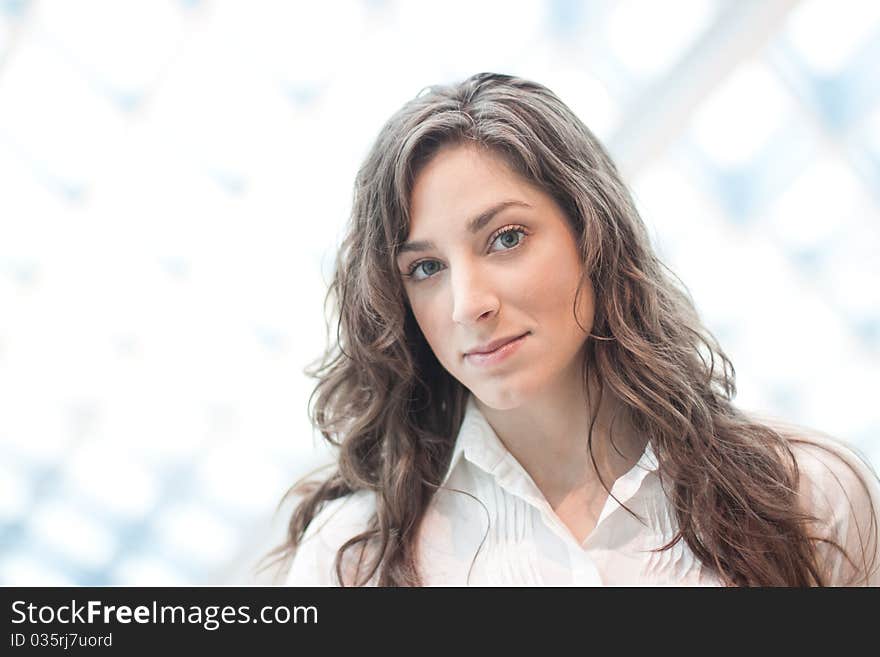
(175, 177)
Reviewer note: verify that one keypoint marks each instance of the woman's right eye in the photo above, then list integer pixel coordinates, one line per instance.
(427, 267)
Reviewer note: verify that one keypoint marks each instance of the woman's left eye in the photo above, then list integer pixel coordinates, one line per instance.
(510, 238)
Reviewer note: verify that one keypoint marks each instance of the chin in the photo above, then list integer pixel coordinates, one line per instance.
(500, 397)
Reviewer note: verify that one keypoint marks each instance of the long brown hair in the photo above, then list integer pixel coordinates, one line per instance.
(393, 411)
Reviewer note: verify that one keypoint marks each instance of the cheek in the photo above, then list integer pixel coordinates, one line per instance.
(550, 289)
(429, 314)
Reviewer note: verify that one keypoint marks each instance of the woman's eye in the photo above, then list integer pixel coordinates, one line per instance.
(427, 267)
(509, 238)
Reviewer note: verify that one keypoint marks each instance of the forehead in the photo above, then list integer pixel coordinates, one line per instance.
(460, 181)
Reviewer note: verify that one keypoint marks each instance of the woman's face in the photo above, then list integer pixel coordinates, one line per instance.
(491, 257)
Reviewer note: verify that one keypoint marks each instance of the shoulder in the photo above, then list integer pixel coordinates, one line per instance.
(337, 522)
(841, 490)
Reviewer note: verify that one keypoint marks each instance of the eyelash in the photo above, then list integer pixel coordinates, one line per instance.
(513, 228)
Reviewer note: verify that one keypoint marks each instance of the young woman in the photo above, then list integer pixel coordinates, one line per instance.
(521, 394)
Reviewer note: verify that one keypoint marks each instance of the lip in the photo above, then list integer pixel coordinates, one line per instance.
(489, 347)
(500, 350)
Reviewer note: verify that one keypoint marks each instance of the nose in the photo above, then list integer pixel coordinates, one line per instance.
(474, 298)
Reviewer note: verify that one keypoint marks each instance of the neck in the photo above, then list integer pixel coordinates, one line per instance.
(548, 437)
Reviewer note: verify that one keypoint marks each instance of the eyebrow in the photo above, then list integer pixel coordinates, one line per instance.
(474, 226)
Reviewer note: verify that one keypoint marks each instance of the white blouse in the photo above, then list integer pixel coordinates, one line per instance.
(490, 525)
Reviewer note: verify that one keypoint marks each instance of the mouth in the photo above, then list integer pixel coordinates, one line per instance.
(499, 353)
(494, 345)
